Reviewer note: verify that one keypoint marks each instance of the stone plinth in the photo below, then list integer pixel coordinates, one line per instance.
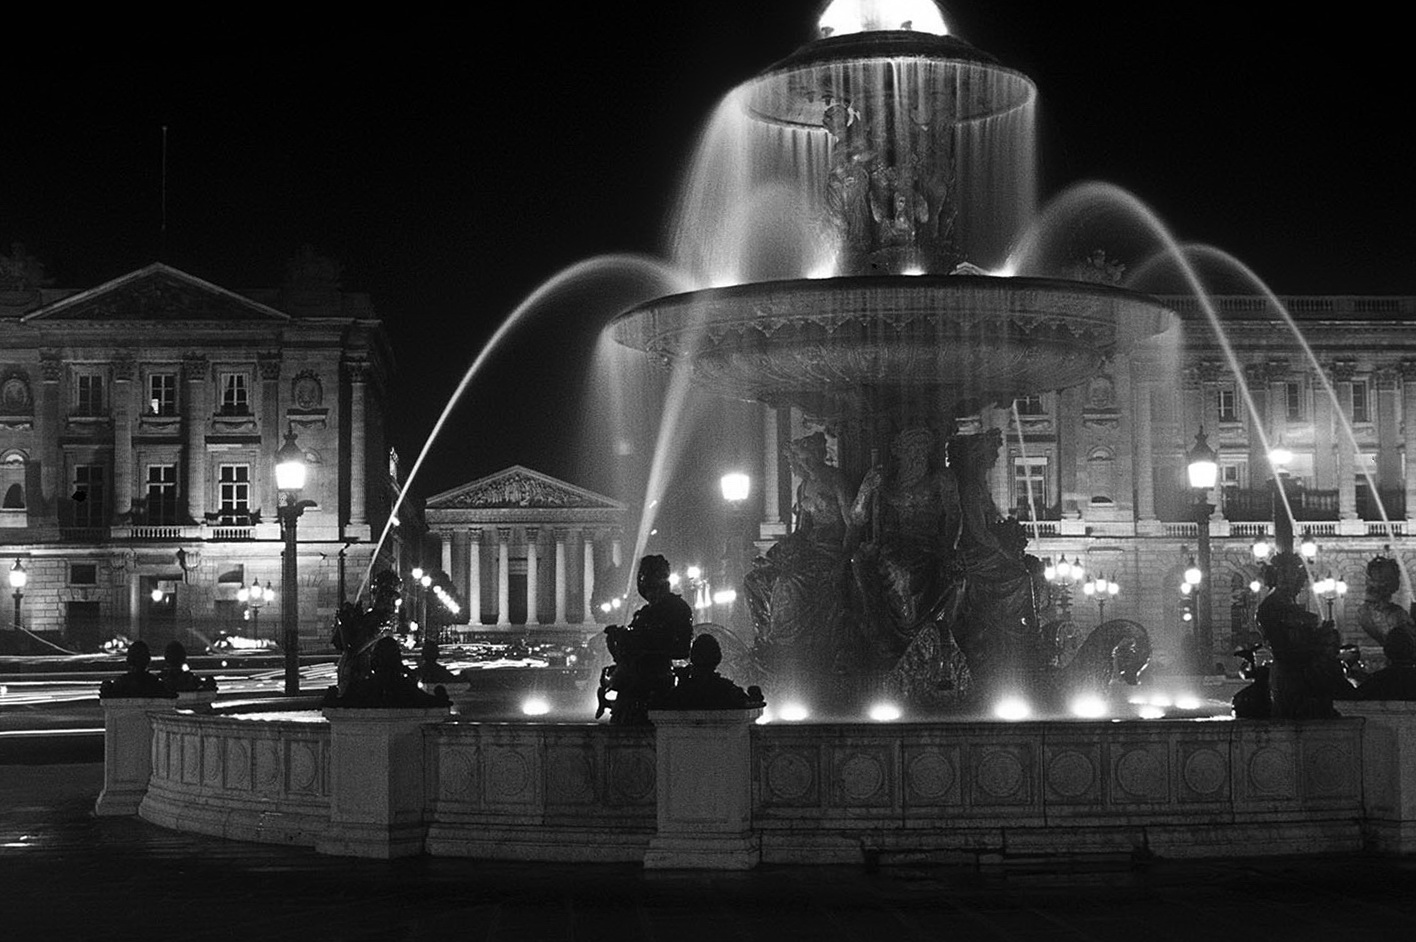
(1388, 772)
(127, 752)
(704, 760)
(376, 781)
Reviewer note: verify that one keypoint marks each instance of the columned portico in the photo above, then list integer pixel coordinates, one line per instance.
(538, 523)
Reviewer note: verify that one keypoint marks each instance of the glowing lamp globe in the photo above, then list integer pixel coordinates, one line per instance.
(1203, 464)
(290, 465)
(736, 486)
(18, 576)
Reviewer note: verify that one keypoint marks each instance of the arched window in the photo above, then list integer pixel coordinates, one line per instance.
(14, 497)
(12, 483)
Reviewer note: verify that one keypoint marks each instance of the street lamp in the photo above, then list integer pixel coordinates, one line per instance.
(1064, 574)
(736, 487)
(290, 481)
(1203, 469)
(1100, 588)
(1331, 588)
(18, 578)
(255, 598)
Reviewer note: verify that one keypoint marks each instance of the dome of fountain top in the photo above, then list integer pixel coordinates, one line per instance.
(841, 17)
(959, 336)
(963, 83)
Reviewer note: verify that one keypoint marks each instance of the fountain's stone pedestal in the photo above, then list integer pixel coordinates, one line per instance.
(376, 781)
(127, 752)
(704, 765)
(1388, 772)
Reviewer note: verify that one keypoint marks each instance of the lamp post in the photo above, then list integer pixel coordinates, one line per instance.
(290, 481)
(18, 579)
(1330, 588)
(1100, 588)
(255, 598)
(1063, 575)
(1203, 470)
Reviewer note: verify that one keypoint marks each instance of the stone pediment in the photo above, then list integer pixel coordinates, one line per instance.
(157, 293)
(519, 488)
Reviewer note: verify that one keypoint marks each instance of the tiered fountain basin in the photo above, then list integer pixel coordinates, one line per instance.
(966, 335)
(810, 793)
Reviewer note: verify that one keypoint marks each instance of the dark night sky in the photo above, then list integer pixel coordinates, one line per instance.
(454, 163)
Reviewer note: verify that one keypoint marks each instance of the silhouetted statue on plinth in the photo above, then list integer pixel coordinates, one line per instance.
(644, 651)
(387, 683)
(356, 632)
(1252, 702)
(701, 687)
(177, 674)
(1396, 681)
(1379, 614)
(429, 672)
(137, 682)
(1305, 676)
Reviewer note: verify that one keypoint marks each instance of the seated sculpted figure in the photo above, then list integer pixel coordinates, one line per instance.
(137, 682)
(703, 688)
(387, 683)
(1305, 676)
(905, 523)
(1396, 681)
(644, 650)
(177, 675)
(1379, 614)
(795, 592)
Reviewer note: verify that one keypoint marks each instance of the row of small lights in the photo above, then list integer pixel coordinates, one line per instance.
(443, 596)
(694, 573)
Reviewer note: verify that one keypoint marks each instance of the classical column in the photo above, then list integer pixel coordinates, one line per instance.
(1342, 373)
(446, 541)
(474, 576)
(272, 436)
(561, 536)
(196, 370)
(503, 576)
(771, 472)
(358, 372)
(1324, 422)
(123, 370)
(616, 549)
(1259, 424)
(1388, 432)
(533, 584)
(1408, 432)
(51, 369)
(587, 574)
(1069, 431)
(1145, 458)
(1192, 405)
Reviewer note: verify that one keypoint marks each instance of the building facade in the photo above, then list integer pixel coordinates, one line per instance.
(1097, 472)
(139, 422)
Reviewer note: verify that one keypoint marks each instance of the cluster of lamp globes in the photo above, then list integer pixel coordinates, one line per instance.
(442, 595)
(255, 595)
(702, 596)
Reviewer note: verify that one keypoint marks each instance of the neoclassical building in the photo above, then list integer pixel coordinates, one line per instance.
(525, 549)
(1098, 471)
(139, 421)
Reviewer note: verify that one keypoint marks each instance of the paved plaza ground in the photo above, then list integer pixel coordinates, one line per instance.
(68, 875)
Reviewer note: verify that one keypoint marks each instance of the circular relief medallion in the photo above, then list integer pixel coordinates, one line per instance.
(788, 776)
(211, 762)
(1327, 769)
(267, 764)
(861, 777)
(1000, 774)
(930, 775)
(1071, 774)
(238, 765)
(191, 758)
(509, 775)
(1204, 772)
(455, 774)
(302, 766)
(1269, 772)
(567, 775)
(1141, 774)
(632, 775)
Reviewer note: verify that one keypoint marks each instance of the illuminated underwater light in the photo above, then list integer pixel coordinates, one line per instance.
(1088, 707)
(884, 713)
(535, 706)
(1187, 702)
(1151, 713)
(796, 712)
(1012, 708)
(1160, 700)
(867, 16)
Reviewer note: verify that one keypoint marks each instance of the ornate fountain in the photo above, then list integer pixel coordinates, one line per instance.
(918, 174)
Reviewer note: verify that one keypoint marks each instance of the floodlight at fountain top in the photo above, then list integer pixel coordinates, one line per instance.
(841, 17)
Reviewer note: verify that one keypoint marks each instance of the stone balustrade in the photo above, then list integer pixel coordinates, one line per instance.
(813, 793)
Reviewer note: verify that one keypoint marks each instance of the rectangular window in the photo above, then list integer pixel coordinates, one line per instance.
(88, 392)
(1361, 411)
(162, 394)
(1029, 405)
(1293, 401)
(83, 574)
(1231, 474)
(1030, 484)
(234, 494)
(87, 497)
(162, 494)
(235, 394)
(1227, 410)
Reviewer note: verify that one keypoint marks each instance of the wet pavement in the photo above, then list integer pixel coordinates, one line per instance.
(68, 875)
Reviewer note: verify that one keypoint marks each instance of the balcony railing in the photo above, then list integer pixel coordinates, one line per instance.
(1308, 504)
